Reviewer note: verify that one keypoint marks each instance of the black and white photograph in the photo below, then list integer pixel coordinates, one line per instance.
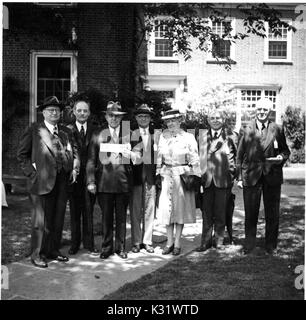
(153, 153)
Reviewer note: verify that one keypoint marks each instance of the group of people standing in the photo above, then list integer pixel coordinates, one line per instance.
(156, 173)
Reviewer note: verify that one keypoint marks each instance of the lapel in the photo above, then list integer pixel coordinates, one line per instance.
(46, 137)
(269, 136)
(62, 135)
(77, 135)
(88, 133)
(215, 145)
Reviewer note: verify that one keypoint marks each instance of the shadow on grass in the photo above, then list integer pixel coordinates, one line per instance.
(230, 275)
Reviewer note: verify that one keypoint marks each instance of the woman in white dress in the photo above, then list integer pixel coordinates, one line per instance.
(177, 154)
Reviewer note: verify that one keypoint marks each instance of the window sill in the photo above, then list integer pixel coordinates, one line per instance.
(163, 61)
(221, 62)
(286, 63)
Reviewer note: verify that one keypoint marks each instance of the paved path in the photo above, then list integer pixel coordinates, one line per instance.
(88, 277)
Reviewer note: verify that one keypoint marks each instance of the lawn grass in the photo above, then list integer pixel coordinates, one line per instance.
(197, 276)
(16, 227)
(230, 275)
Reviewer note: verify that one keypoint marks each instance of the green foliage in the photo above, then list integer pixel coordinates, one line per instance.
(297, 156)
(187, 21)
(294, 123)
(14, 99)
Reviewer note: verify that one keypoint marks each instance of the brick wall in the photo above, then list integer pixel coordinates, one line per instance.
(105, 59)
(250, 69)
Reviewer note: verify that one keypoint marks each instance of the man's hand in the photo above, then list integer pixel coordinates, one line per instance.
(92, 188)
(239, 184)
(73, 176)
(275, 160)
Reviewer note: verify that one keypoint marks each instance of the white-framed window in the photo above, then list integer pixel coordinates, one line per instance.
(53, 73)
(160, 48)
(221, 48)
(278, 47)
(247, 99)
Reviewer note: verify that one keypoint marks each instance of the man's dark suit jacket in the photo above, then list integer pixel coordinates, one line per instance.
(108, 177)
(254, 149)
(145, 169)
(220, 161)
(37, 160)
(83, 149)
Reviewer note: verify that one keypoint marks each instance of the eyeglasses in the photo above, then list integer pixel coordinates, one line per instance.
(140, 116)
(53, 110)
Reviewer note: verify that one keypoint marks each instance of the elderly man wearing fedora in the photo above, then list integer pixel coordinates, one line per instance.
(144, 172)
(109, 174)
(48, 156)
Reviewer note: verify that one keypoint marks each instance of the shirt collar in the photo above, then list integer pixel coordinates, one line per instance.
(50, 126)
(78, 124)
(112, 130)
(142, 130)
(259, 124)
(218, 132)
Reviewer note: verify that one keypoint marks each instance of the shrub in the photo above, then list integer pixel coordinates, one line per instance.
(294, 123)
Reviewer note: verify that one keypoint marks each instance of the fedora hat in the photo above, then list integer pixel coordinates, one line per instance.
(114, 108)
(171, 114)
(144, 109)
(50, 101)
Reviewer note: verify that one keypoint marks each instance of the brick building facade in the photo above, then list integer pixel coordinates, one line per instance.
(91, 46)
(256, 70)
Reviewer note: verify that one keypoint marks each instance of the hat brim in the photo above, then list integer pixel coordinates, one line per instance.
(117, 113)
(171, 116)
(151, 113)
(44, 106)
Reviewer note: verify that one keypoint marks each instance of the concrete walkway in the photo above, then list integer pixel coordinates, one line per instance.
(86, 276)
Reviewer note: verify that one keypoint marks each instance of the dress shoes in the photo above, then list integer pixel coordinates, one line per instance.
(148, 248)
(122, 254)
(167, 249)
(271, 251)
(73, 250)
(176, 251)
(59, 257)
(93, 251)
(203, 248)
(136, 248)
(39, 262)
(104, 255)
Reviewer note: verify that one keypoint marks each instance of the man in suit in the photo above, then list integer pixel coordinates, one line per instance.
(262, 152)
(217, 163)
(109, 174)
(81, 201)
(48, 156)
(144, 192)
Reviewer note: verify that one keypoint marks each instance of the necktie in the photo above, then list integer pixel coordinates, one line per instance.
(55, 131)
(82, 133)
(115, 136)
(144, 138)
(216, 135)
(263, 127)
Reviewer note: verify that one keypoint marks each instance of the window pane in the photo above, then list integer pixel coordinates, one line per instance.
(53, 78)
(221, 48)
(163, 48)
(277, 49)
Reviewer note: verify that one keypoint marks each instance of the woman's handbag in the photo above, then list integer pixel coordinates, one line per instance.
(190, 182)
